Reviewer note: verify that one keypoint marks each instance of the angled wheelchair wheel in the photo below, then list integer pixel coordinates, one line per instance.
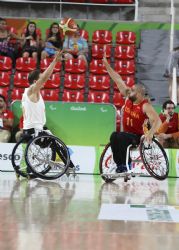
(154, 159)
(47, 157)
(107, 165)
(18, 159)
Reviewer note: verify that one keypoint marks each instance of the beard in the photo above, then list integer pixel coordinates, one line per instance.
(132, 98)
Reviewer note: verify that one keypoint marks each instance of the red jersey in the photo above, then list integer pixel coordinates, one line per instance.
(134, 117)
(173, 123)
(7, 114)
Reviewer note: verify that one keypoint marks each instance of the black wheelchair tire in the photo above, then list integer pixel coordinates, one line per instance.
(43, 173)
(15, 166)
(101, 162)
(147, 164)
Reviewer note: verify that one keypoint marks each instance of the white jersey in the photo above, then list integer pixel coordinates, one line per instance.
(33, 112)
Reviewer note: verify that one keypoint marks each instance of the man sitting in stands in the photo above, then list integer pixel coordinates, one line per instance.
(168, 133)
(6, 121)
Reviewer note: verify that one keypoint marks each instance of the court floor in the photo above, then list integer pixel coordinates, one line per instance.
(64, 214)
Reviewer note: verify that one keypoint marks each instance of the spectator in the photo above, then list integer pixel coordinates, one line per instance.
(6, 121)
(173, 61)
(53, 41)
(7, 47)
(168, 133)
(19, 133)
(31, 41)
(75, 46)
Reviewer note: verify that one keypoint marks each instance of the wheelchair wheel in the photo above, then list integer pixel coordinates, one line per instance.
(47, 157)
(18, 159)
(107, 165)
(154, 159)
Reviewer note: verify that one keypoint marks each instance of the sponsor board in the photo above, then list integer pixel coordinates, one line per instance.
(86, 159)
(83, 157)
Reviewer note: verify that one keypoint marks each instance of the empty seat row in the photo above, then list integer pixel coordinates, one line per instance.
(106, 37)
(123, 67)
(71, 96)
(71, 81)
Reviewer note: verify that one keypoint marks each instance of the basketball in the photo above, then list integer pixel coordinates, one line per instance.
(68, 25)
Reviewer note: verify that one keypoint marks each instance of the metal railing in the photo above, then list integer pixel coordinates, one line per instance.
(61, 3)
(174, 74)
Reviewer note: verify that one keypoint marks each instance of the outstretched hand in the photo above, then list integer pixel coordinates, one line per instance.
(58, 56)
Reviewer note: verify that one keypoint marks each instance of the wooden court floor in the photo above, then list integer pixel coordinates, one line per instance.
(63, 214)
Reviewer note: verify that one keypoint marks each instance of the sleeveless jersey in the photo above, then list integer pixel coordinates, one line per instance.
(34, 112)
(173, 123)
(134, 117)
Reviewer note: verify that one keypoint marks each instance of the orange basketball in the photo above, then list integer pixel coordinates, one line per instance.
(68, 25)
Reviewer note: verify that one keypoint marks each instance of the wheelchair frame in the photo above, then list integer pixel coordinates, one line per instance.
(40, 155)
(150, 159)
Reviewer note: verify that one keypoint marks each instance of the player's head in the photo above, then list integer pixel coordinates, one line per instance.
(137, 92)
(34, 76)
(168, 107)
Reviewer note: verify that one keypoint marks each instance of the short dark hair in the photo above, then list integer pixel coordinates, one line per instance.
(164, 106)
(2, 97)
(34, 75)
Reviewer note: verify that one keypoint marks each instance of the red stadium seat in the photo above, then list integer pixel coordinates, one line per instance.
(46, 62)
(124, 67)
(99, 82)
(98, 50)
(118, 100)
(50, 94)
(74, 81)
(25, 64)
(21, 80)
(4, 91)
(73, 96)
(125, 37)
(97, 67)
(75, 66)
(102, 36)
(17, 94)
(5, 63)
(98, 97)
(4, 79)
(53, 82)
(129, 81)
(84, 34)
(124, 52)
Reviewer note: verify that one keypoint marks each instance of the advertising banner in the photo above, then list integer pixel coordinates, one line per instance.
(84, 124)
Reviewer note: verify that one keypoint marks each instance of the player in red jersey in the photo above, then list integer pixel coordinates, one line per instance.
(169, 130)
(136, 110)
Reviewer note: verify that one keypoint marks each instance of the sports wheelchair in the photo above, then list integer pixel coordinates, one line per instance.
(152, 155)
(41, 155)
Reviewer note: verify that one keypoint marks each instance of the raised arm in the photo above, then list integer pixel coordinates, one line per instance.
(116, 78)
(46, 74)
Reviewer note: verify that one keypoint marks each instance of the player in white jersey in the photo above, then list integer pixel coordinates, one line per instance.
(32, 102)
